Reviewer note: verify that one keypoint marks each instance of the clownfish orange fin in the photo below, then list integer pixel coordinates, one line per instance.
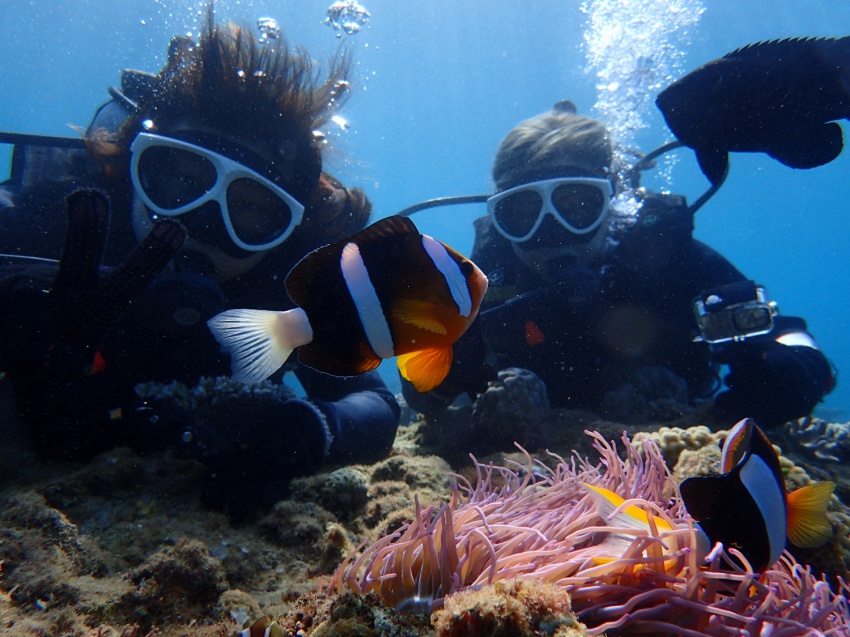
(420, 314)
(425, 368)
(808, 525)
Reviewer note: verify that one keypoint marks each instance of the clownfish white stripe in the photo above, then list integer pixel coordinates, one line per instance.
(797, 339)
(761, 482)
(451, 272)
(366, 301)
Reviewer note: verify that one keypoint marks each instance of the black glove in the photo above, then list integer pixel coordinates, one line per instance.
(86, 304)
(253, 452)
(50, 350)
(773, 383)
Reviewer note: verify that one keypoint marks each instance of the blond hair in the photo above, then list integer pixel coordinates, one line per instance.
(555, 139)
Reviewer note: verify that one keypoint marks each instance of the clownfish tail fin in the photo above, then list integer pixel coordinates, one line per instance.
(808, 525)
(259, 341)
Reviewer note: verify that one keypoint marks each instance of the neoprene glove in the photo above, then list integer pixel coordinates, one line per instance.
(253, 454)
(773, 383)
(51, 342)
(255, 450)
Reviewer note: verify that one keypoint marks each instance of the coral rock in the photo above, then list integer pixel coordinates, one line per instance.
(516, 608)
(513, 408)
(177, 584)
(673, 440)
(429, 472)
(344, 492)
(819, 439)
(40, 551)
(297, 525)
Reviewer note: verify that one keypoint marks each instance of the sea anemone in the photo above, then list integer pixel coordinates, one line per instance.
(532, 521)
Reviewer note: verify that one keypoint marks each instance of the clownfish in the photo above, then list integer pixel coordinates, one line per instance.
(263, 627)
(608, 505)
(747, 506)
(386, 291)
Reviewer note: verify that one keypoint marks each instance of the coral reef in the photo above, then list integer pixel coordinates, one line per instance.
(352, 615)
(704, 461)
(122, 546)
(344, 492)
(514, 407)
(176, 584)
(519, 608)
(541, 523)
(212, 393)
(297, 524)
(45, 559)
(819, 439)
(672, 441)
(240, 606)
(428, 472)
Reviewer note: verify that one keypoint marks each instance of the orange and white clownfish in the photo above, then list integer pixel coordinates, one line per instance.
(263, 627)
(387, 291)
(747, 506)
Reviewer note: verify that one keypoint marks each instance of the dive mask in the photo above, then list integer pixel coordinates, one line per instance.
(173, 177)
(579, 204)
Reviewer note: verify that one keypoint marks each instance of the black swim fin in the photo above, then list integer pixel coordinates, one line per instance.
(713, 163)
(810, 147)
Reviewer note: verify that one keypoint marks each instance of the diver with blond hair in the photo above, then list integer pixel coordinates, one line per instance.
(623, 313)
(199, 187)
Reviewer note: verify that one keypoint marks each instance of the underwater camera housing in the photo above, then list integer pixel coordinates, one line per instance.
(733, 312)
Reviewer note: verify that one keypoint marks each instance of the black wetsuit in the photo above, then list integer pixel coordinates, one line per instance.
(70, 403)
(595, 330)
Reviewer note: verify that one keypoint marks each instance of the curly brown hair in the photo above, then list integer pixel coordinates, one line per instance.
(273, 96)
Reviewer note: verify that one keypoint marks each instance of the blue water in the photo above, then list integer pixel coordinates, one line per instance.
(440, 82)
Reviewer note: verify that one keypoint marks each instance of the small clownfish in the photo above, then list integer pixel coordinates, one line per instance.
(747, 506)
(263, 627)
(387, 291)
(633, 517)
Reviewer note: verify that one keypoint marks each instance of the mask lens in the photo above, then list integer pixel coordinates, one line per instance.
(173, 178)
(517, 213)
(258, 215)
(578, 204)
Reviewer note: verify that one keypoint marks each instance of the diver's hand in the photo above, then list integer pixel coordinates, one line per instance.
(86, 304)
(774, 383)
(255, 453)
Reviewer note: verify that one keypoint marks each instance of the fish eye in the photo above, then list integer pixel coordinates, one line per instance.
(466, 267)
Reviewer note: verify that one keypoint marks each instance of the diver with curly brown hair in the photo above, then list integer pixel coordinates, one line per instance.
(199, 188)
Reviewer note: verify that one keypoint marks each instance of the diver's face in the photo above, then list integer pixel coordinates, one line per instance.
(226, 207)
(560, 216)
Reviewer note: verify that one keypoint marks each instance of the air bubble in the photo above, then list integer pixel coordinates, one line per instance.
(347, 16)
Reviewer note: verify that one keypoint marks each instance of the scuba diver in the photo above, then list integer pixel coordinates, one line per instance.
(199, 188)
(622, 313)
